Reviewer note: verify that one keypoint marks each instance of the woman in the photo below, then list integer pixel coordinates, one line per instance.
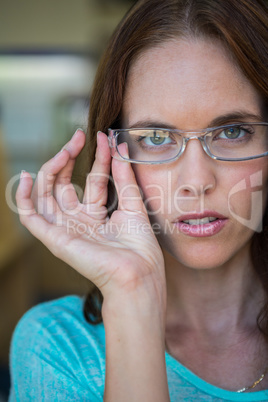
(179, 265)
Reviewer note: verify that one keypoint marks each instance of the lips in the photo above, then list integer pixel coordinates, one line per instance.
(203, 224)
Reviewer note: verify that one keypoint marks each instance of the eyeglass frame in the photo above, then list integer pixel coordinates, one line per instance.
(185, 140)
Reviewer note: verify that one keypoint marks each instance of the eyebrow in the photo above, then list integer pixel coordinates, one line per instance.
(237, 116)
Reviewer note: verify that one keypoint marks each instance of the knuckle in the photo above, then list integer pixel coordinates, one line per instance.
(63, 180)
(98, 183)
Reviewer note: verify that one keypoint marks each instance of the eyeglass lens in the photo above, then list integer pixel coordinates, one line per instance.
(230, 142)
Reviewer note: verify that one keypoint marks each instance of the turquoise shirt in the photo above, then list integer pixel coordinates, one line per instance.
(57, 356)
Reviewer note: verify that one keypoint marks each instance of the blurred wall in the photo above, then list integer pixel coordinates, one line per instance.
(71, 24)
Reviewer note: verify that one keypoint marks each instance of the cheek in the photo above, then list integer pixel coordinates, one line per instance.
(241, 190)
(246, 193)
(155, 185)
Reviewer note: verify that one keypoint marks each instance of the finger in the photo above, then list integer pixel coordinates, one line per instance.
(35, 223)
(97, 180)
(129, 196)
(76, 143)
(63, 190)
(42, 190)
(73, 147)
(23, 195)
(42, 197)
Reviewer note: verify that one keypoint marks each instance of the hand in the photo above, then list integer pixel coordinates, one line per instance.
(120, 253)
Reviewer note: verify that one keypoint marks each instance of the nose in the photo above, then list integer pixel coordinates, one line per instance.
(196, 170)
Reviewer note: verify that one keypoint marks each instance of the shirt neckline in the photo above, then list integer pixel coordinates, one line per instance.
(213, 390)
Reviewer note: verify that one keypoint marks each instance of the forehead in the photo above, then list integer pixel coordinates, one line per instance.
(187, 83)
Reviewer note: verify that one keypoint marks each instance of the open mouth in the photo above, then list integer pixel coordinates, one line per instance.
(201, 225)
(201, 221)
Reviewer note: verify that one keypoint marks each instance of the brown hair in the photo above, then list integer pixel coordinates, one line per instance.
(241, 25)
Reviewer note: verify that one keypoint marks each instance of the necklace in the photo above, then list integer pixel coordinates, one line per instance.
(255, 383)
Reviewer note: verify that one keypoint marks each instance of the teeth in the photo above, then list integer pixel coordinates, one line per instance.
(202, 221)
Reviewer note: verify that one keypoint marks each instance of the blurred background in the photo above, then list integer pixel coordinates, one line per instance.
(49, 50)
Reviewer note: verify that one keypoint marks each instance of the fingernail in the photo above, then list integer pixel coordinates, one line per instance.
(66, 145)
(22, 173)
(98, 137)
(78, 129)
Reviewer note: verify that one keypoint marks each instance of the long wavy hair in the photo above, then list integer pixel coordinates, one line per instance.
(240, 25)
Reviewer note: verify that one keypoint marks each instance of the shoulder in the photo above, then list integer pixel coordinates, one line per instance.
(53, 340)
(58, 322)
(62, 307)
(59, 319)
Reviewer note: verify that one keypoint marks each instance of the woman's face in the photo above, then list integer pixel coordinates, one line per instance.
(192, 85)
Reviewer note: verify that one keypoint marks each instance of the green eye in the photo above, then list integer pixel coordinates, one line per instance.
(157, 139)
(232, 132)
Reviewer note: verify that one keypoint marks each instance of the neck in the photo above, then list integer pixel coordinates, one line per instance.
(211, 322)
(212, 301)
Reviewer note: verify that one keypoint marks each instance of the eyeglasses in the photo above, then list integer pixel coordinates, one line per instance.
(231, 142)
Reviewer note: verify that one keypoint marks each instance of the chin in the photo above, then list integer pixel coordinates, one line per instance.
(199, 263)
(202, 256)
